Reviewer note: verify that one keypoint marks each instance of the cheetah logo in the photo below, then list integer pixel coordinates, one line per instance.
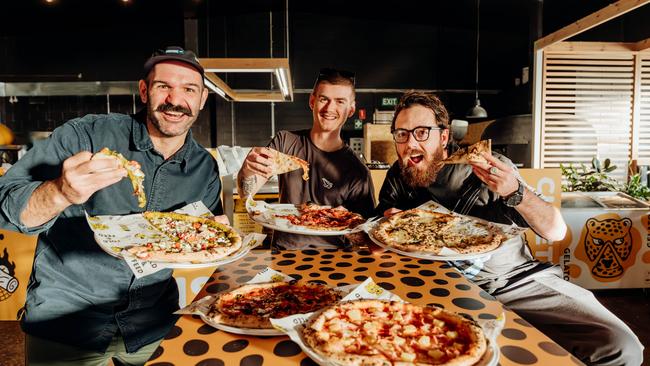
(606, 245)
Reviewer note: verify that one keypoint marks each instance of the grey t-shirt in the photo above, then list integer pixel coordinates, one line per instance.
(336, 178)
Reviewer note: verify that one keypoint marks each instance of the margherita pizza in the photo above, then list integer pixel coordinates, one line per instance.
(418, 230)
(326, 218)
(470, 154)
(189, 239)
(251, 306)
(283, 163)
(133, 170)
(374, 332)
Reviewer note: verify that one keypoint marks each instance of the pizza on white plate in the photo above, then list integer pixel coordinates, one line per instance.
(324, 218)
(375, 332)
(188, 239)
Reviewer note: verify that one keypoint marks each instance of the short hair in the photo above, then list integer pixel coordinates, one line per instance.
(335, 77)
(430, 101)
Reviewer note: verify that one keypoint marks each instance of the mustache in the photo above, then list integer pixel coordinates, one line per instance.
(168, 107)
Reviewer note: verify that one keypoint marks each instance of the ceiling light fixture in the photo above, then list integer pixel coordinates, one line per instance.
(477, 111)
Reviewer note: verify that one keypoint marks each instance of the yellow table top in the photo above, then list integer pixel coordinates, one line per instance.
(192, 342)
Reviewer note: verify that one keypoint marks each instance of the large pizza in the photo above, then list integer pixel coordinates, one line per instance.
(187, 239)
(251, 306)
(325, 218)
(375, 332)
(419, 230)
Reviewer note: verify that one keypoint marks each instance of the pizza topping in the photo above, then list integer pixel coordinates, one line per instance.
(324, 217)
(133, 169)
(470, 154)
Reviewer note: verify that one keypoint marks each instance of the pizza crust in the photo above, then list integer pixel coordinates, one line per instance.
(470, 154)
(133, 169)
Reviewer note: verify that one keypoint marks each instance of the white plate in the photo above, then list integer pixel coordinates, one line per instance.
(425, 255)
(284, 225)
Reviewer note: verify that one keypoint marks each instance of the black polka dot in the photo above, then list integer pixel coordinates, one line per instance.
(195, 347)
(386, 256)
(388, 286)
(235, 346)
(553, 348)
(327, 256)
(286, 349)
(486, 316)
(318, 281)
(331, 250)
(210, 362)
(440, 281)
(463, 287)
(486, 296)
(240, 271)
(440, 292)
(427, 273)
(286, 262)
(206, 329)
(2, 236)
(308, 362)
(314, 274)
(325, 262)
(521, 321)
(159, 351)
(414, 295)
(252, 360)
(366, 260)
(217, 287)
(403, 271)
(258, 267)
(224, 277)
(360, 278)
(162, 364)
(244, 264)
(425, 261)
(344, 264)
(326, 269)
(412, 281)
(303, 267)
(468, 303)
(341, 284)
(361, 269)
(387, 264)
(384, 274)
(512, 333)
(411, 265)
(518, 355)
(347, 256)
(174, 332)
(452, 274)
(289, 255)
(336, 276)
(249, 259)
(296, 276)
(404, 259)
(445, 265)
(435, 304)
(364, 252)
(310, 252)
(244, 279)
(308, 259)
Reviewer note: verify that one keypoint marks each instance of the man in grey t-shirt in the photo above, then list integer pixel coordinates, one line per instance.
(337, 176)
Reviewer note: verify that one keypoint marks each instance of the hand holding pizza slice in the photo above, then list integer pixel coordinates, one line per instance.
(283, 163)
(134, 172)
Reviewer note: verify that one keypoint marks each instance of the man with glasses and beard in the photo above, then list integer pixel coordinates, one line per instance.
(337, 176)
(494, 191)
(83, 305)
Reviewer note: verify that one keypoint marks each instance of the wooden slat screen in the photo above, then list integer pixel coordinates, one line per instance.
(644, 118)
(587, 108)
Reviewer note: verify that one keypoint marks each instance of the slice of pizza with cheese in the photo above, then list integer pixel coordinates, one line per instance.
(133, 169)
(470, 154)
(284, 163)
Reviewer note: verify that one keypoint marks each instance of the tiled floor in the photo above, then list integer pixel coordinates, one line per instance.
(632, 306)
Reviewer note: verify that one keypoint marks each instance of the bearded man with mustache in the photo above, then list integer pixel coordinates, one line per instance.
(494, 191)
(85, 306)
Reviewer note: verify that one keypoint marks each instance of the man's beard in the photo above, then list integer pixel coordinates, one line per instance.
(415, 177)
(165, 107)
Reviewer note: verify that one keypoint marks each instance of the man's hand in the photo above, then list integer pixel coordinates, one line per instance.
(257, 162)
(498, 176)
(222, 219)
(81, 177)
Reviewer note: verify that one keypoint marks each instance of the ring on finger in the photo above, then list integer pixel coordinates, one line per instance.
(494, 170)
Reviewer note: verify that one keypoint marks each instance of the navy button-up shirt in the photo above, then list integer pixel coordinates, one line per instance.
(77, 294)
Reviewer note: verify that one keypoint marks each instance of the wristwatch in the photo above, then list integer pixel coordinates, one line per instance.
(514, 198)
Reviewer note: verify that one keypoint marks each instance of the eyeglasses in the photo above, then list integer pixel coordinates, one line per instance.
(329, 74)
(420, 133)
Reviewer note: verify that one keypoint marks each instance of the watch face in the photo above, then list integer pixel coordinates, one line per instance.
(516, 197)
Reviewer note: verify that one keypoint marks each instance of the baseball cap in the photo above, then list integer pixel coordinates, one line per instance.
(174, 53)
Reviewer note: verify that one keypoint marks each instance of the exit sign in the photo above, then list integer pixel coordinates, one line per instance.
(388, 102)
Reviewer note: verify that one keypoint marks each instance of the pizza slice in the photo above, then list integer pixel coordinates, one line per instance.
(189, 239)
(133, 169)
(284, 163)
(470, 154)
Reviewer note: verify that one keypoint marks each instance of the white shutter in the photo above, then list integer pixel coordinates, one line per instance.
(644, 115)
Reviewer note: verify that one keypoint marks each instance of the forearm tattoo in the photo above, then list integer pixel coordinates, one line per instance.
(248, 185)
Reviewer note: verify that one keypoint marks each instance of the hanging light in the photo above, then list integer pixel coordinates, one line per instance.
(477, 111)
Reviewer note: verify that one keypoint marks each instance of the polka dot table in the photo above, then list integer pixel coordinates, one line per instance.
(192, 342)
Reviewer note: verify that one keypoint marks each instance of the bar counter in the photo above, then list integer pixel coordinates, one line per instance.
(192, 342)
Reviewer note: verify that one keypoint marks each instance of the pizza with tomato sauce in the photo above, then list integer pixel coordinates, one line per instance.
(375, 332)
(251, 306)
(326, 218)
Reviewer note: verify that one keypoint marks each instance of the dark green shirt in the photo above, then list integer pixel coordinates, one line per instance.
(78, 294)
